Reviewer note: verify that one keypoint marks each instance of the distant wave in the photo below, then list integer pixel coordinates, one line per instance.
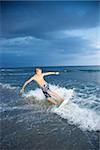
(82, 70)
(7, 86)
(89, 70)
(15, 74)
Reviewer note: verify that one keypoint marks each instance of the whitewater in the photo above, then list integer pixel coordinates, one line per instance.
(28, 118)
(84, 118)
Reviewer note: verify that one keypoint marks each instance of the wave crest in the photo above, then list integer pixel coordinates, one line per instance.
(7, 86)
(84, 118)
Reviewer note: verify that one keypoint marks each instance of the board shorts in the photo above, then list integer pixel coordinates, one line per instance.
(45, 90)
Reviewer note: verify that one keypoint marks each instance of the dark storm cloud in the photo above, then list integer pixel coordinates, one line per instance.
(49, 33)
(38, 18)
(37, 47)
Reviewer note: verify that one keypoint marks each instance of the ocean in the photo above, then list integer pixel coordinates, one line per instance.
(30, 122)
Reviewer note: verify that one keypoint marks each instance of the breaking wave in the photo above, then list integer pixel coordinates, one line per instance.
(84, 118)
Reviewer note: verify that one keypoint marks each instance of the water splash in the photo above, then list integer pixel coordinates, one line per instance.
(84, 118)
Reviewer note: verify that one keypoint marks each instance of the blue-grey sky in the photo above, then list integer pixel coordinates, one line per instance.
(49, 33)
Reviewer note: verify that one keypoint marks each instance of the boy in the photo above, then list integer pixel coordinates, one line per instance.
(39, 78)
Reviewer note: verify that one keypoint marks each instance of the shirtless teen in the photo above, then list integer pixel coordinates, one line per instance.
(39, 78)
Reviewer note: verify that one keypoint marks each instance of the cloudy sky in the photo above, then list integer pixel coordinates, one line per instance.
(49, 33)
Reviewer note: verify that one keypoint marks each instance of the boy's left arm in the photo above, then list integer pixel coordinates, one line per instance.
(49, 73)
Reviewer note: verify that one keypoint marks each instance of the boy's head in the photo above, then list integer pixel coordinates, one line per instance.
(38, 71)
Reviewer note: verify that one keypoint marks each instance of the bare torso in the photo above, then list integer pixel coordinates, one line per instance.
(40, 80)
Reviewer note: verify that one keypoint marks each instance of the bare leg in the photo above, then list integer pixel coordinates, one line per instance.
(56, 96)
(52, 101)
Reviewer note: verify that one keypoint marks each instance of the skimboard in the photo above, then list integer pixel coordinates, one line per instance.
(66, 100)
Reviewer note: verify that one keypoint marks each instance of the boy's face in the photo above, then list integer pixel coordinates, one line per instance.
(38, 71)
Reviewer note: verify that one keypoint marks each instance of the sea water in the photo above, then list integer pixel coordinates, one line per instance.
(79, 86)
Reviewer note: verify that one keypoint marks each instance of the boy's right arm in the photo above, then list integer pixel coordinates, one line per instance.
(25, 84)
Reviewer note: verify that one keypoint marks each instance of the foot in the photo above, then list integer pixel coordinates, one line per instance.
(59, 102)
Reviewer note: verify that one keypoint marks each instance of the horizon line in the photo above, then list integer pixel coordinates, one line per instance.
(38, 66)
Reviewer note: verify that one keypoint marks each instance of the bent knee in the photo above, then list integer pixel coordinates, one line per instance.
(52, 101)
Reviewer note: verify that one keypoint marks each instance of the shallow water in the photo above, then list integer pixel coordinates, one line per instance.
(30, 122)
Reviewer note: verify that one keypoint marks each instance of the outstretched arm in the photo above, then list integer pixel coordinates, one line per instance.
(25, 84)
(49, 73)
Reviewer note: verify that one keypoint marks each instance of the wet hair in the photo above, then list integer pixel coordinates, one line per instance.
(37, 70)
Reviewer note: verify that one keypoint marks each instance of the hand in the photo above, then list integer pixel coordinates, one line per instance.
(57, 72)
(21, 91)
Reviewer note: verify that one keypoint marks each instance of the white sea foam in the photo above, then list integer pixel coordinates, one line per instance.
(7, 86)
(84, 118)
(37, 94)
